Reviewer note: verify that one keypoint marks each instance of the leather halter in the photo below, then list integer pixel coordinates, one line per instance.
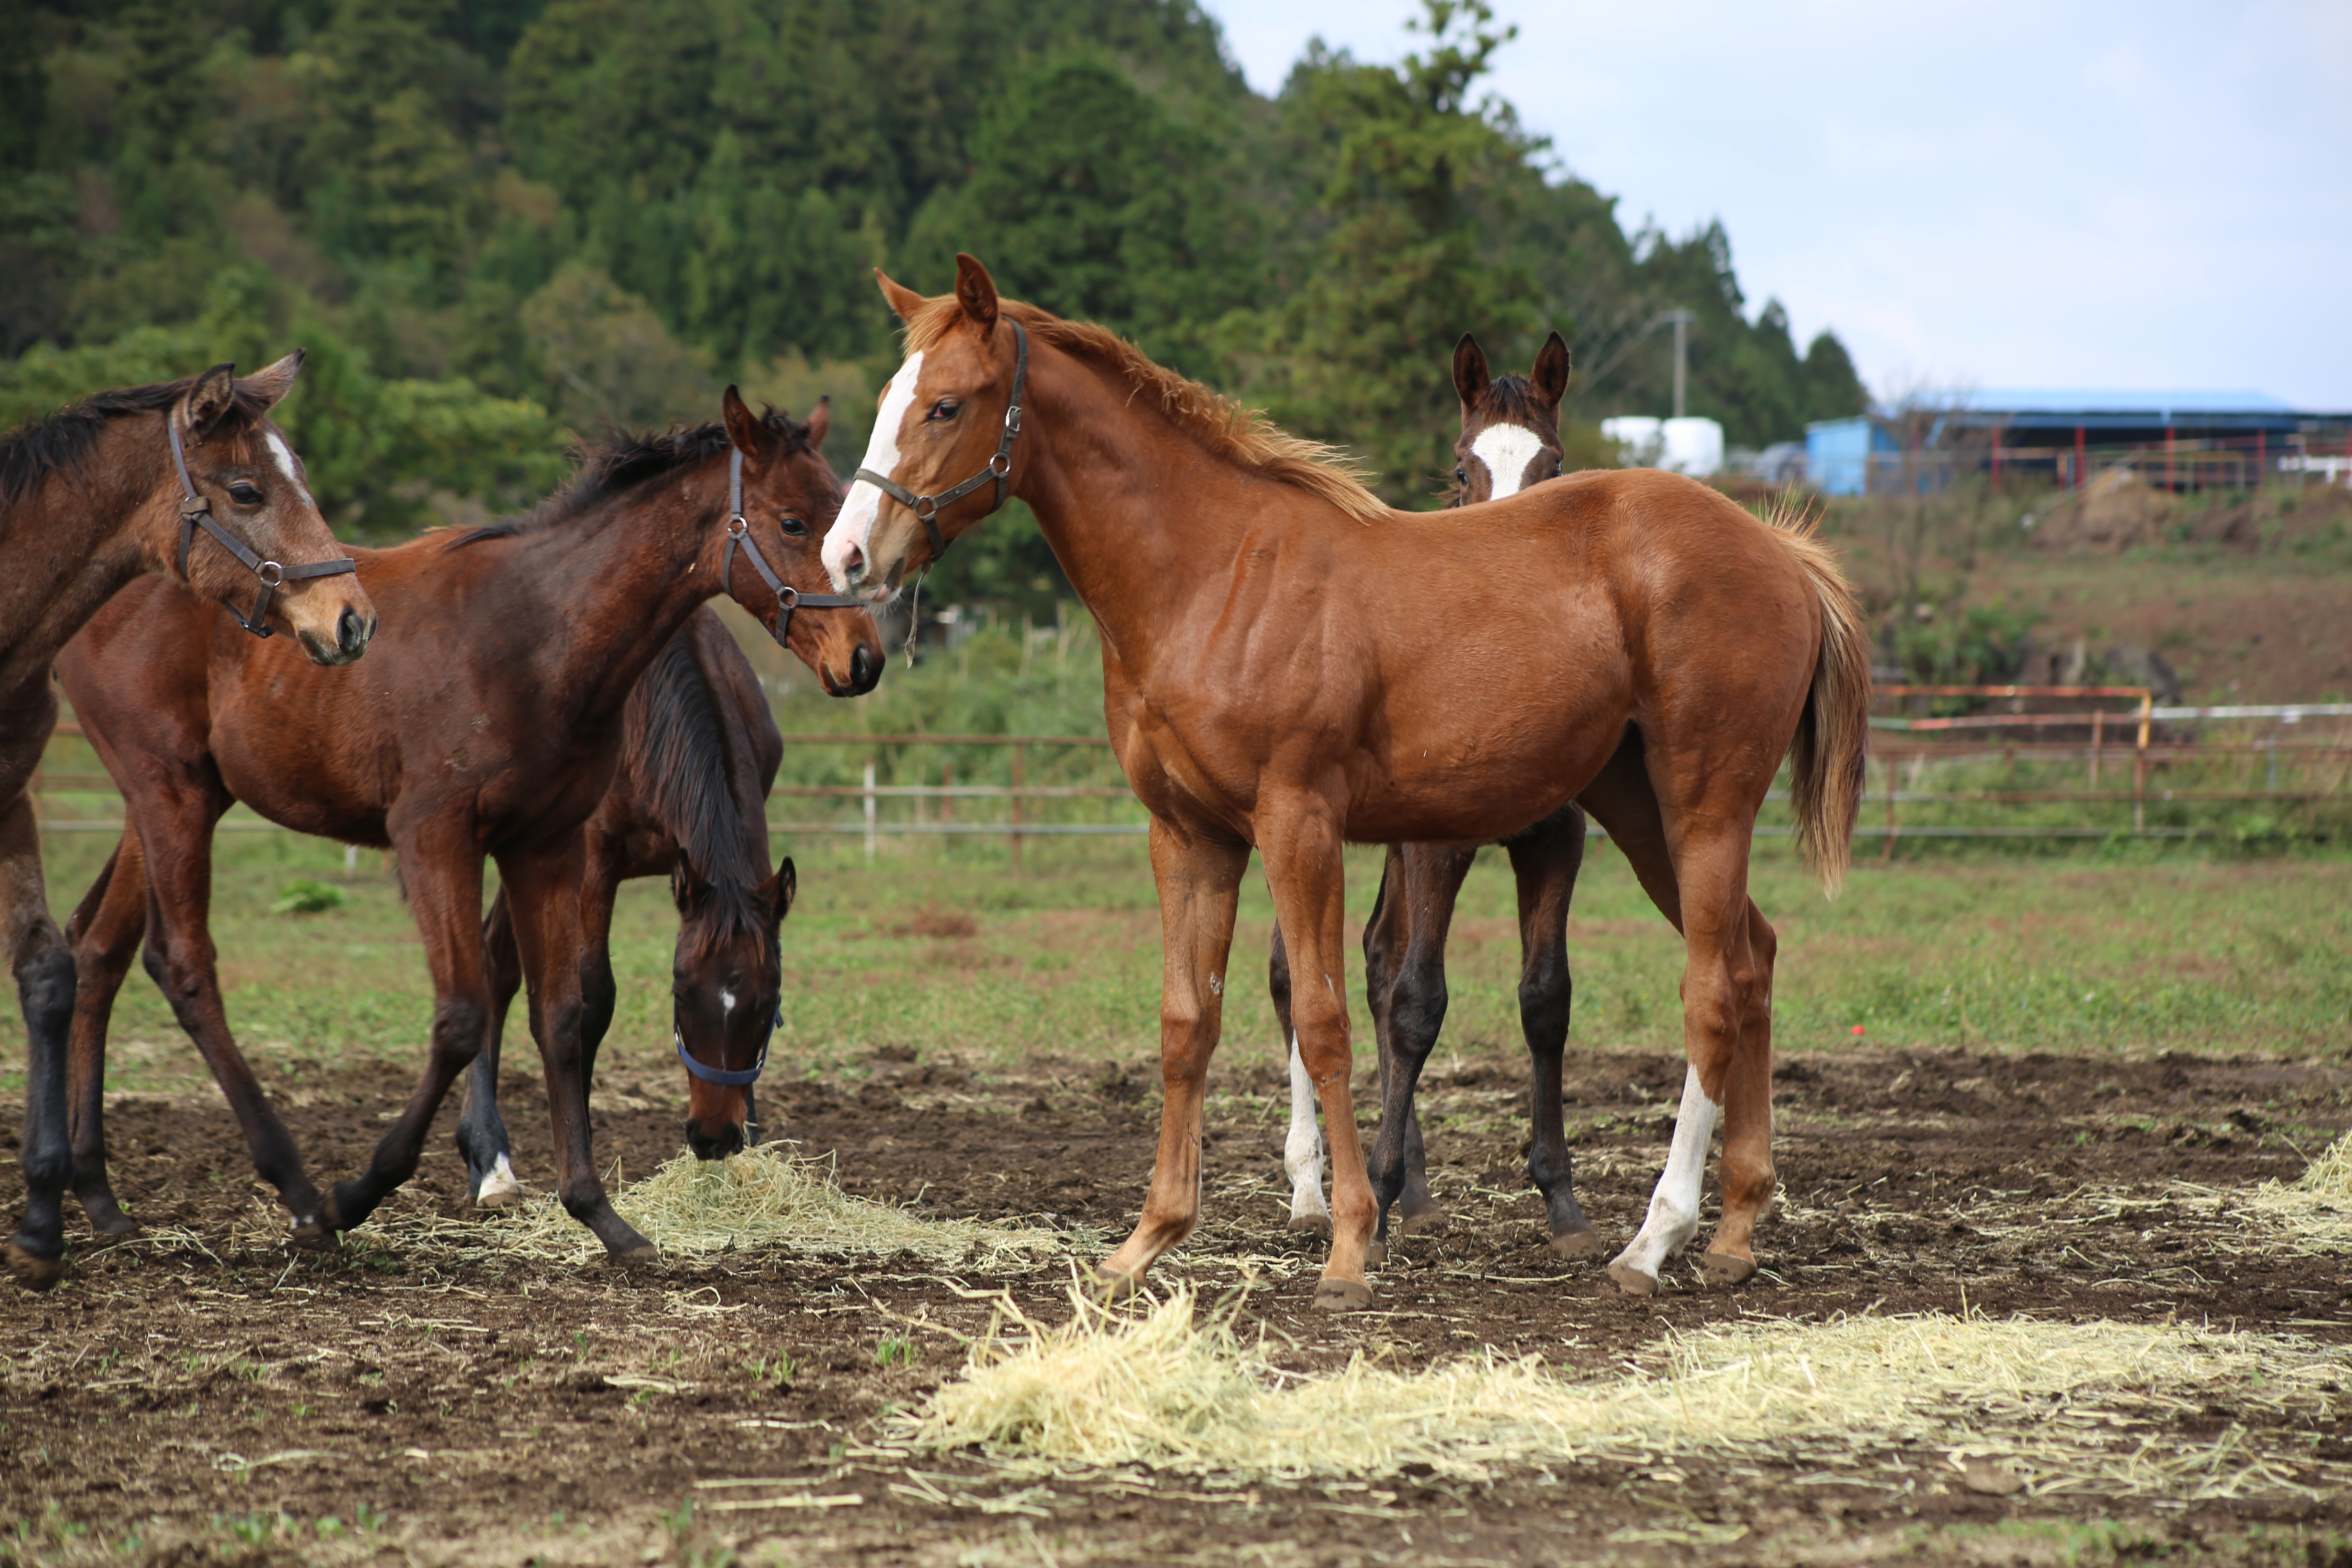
(999, 470)
(788, 598)
(196, 511)
(724, 1077)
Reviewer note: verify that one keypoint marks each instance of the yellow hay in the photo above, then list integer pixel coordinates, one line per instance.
(2066, 1407)
(768, 1197)
(2318, 1209)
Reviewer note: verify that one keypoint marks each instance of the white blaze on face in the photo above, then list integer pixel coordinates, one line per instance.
(284, 457)
(855, 524)
(726, 1002)
(1507, 450)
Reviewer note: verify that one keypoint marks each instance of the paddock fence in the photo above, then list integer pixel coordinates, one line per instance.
(2025, 763)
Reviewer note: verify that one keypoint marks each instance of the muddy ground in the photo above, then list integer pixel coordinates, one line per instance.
(205, 1396)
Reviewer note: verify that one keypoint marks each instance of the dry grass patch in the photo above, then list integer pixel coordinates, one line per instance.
(1997, 1405)
(2318, 1209)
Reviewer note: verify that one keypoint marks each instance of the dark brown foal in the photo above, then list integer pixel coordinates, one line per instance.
(1510, 438)
(189, 479)
(699, 750)
(488, 728)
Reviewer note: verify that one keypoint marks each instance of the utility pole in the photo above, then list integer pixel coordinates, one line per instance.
(1681, 321)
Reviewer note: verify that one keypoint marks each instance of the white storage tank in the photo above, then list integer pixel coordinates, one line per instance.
(1693, 446)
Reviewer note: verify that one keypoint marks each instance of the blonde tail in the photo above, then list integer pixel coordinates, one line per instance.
(1832, 738)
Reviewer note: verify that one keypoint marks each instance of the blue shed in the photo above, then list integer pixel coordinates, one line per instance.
(1838, 453)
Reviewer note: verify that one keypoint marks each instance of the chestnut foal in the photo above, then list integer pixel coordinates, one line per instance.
(91, 497)
(1510, 438)
(487, 728)
(699, 750)
(1288, 665)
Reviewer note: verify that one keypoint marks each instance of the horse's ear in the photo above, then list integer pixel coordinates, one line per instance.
(1551, 372)
(976, 292)
(213, 395)
(904, 301)
(270, 384)
(687, 890)
(820, 422)
(745, 429)
(1471, 378)
(778, 890)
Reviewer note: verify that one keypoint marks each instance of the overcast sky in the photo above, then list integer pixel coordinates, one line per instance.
(2131, 195)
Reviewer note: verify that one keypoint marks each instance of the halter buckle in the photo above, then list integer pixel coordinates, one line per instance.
(737, 526)
(272, 574)
(1001, 465)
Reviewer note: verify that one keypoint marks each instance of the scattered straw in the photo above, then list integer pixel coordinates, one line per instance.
(2066, 1407)
(2317, 1209)
(768, 1196)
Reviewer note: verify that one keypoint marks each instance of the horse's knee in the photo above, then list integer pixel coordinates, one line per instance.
(458, 1025)
(44, 980)
(1417, 1006)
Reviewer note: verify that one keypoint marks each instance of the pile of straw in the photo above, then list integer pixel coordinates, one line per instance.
(2064, 1407)
(2318, 1208)
(769, 1196)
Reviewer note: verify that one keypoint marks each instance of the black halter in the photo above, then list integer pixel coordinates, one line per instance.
(788, 598)
(1000, 468)
(196, 511)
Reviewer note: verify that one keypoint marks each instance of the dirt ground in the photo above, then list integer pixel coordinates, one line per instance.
(205, 1396)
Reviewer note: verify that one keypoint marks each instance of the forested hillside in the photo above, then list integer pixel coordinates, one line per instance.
(503, 225)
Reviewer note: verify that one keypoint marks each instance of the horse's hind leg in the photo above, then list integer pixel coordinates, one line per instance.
(481, 1130)
(1546, 861)
(1302, 1147)
(44, 967)
(1749, 1178)
(1404, 968)
(104, 934)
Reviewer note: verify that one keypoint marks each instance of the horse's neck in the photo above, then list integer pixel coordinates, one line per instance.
(620, 586)
(74, 543)
(1142, 517)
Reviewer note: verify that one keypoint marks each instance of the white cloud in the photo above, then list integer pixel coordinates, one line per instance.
(2102, 194)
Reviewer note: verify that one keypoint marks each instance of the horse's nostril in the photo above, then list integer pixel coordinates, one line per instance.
(853, 563)
(865, 668)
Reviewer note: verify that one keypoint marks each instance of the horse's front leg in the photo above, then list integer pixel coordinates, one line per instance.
(482, 1132)
(104, 933)
(44, 968)
(441, 866)
(1299, 835)
(1418, 891)
(1302, 1146)
(1199, 881)
(544, 880)
(1546, 861)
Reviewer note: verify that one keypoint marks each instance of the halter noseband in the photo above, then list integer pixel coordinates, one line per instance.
(788, 598)
(196, 511)
(1000, 468)
(722, 1077)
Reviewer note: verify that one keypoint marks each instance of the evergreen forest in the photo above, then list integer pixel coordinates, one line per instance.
(502, 226)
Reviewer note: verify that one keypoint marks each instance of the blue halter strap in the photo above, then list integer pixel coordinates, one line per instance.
(722, 1075)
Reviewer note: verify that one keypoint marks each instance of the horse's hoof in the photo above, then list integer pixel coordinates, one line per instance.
(1631, 1281)
(1310, 1223)
(1114, 1287)
(1336, 1293)
(1376, 1252)
(313, 1234)
(114, 1226)
(1427, 1220)
(1571, 1246)
(640, 1258)
(34, 1272)
(499, 1190)
(1725, 1269)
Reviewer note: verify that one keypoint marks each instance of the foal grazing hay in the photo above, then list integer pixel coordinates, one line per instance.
(768, 1196)
(2066, 1407)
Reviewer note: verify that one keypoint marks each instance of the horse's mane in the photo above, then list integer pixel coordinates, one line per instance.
(625, 460)
(37, 448)
(677, 743)
(1228, 428)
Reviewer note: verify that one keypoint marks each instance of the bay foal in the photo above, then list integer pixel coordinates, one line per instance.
(488, 728)
(689, 801)
(1288, 665)
(1509, 439)
(91, 497)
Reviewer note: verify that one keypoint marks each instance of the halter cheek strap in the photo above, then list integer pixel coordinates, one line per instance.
(196, 511)
(788, 598)
(999, 471)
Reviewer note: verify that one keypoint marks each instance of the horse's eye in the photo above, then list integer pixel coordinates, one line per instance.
(244, 494)
(792, 525)
(945, 408)
(1461, 477)
(1555, 470)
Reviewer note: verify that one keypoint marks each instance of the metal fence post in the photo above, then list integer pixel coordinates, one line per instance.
(1018, 751)
(2140, 766)
(869, 808)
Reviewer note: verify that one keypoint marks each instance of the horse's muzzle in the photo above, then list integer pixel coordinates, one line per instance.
(353, 631)
(719, 1145)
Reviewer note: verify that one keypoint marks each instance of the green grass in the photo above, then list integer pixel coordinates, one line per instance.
(2132, 956)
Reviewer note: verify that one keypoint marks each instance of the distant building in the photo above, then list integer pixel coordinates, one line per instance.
(1838, 453)
(1693, 446)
